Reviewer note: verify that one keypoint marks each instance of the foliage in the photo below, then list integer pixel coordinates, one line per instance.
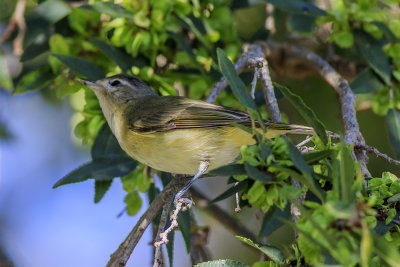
(186, 46)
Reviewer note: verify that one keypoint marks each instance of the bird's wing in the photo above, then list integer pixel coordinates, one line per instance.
(156, 114)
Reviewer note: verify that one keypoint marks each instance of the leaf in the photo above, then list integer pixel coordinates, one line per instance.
(386, 251)
(100, 169)
(386, 31)
(53, 10)
(272, 252)
(133, 203)
(185, 227)
(298, 7)
(256, 174)
(302, 24)
(307, 113)
(34, 80)
(273, 220)
(394, 198)
(372, 51)
(100, 189)
(315, 156)
(393, 129)
(366, 82)
(111, 9)
(5, 78)
(34, 50)
(221, 263)
(381, 228)
(237, 85)
(229, 170)
(83, 67)
(297, 158)
(105, 144)
(122, 59)
(231, 191)
(347, 173)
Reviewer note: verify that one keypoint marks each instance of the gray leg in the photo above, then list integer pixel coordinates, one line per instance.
(202, 169)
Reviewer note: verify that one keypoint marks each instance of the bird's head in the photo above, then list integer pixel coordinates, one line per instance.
(119, 88)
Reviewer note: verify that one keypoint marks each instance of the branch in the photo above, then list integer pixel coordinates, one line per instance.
(163, 220)
(17, 19)
(122, 254)
(352, 134)
(377, 153)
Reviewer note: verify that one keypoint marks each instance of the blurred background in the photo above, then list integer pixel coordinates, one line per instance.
(41, 226)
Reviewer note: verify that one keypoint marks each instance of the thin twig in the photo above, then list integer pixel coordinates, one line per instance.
(158, 260)
(377, 153)
(220, 215)
(17, 19)
(352, 134)
(122, 254)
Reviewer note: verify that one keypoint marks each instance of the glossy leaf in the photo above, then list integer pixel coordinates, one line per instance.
(111, 9)
(366, 82)
(272, 252)
(229, 170)
(221, 263)
(231, 191)
(298, 7)
(256, 174)
(184, 222)
(393, 129)
(372, 51)
(273, 219)
(83, 67)
(237, 85)
(100, 189)
(122, 59)
(100, 169)
(105, 144)
(307, 113)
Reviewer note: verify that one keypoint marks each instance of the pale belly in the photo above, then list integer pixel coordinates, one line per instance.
(181, 151)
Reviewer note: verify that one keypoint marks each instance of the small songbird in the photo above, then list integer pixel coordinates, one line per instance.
(172, 133)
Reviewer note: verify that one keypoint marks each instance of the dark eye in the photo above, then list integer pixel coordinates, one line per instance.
(115, 83)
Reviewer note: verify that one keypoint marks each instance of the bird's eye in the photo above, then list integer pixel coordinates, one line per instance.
(115, 83)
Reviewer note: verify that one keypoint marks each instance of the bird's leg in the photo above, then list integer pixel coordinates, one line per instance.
(203, 166)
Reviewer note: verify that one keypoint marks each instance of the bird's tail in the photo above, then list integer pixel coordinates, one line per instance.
(274, 129)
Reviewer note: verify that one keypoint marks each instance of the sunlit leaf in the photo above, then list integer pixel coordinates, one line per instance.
(133, 203)
(393, 129)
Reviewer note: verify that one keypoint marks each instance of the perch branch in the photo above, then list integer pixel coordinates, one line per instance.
(158, 261)
(122, 254)
(352, 134)
(377, 153)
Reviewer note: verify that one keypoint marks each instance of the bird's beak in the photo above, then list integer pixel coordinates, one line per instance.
(91, 84)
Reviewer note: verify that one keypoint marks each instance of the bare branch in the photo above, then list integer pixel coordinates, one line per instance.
(163, 220)
(377, 153)
(122, 254)
(16, 20)
(352, 134)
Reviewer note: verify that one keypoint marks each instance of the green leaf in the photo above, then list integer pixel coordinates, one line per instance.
(347, 173)
(231, 191)
(386, 251)
(394, 198)
(34, 50)
(184, 222)
(366, 82)
(302, 24)
(256, 174)
(272, 252)
(229, 170)
(307, 113)
(105, 144)
(297, 158)
(273, 220)
(111, 9)
(298, 7)
(83, 67)
(100, 189)
(393, 129)
(100, 169)
(122, 59)
(5, 78)
(221, 263)
(387, 32)
(237, 85)
(133, 203)
(315, 156)
(53, 10)
(34, 80)
(372, 51)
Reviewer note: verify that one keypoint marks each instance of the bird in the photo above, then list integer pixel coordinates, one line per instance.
(176, 134)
